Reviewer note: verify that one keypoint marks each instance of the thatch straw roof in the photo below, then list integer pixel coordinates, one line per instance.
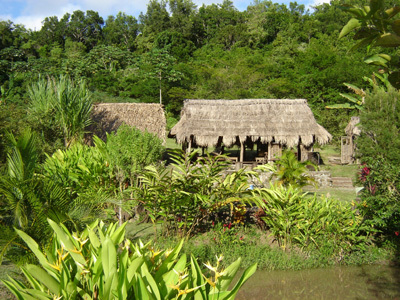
(107, 117)
(268, 120)
(352, 128)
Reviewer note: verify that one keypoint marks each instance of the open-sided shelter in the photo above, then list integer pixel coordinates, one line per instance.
(107, 117)
(272, 122)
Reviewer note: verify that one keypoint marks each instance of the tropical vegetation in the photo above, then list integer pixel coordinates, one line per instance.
(100, 264)
(60, 198)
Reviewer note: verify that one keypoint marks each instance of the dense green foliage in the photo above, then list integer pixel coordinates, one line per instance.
(63, 105)
(378, 149)
(72, 186)
(378, 26)
(290, 171)
(324, 224)
(186, 195)
(99, 263)
(28, 197)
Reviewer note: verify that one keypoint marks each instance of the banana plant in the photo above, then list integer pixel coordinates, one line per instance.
(99, 264)
(375, 25)
(355, 100)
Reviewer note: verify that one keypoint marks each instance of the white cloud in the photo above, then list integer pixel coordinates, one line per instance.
(319, 2)
(30, 22)
(5, 17)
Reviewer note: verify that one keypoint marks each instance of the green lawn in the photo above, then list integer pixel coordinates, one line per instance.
(345, 195)
(171, 144)
(342, 170)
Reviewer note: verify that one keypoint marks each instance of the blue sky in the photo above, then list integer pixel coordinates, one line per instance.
(32, 12)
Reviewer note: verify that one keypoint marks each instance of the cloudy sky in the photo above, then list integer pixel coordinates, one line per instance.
(32, 12)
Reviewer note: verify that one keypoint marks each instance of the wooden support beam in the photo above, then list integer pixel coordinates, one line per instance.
(241, 151)
(269, 152)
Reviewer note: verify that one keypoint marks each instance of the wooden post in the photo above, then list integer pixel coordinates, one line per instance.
(241, 151)
(303, 152)
(189, 149)
(269, 152)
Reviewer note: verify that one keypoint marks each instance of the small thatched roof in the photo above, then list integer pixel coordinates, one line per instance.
(107, 117)
(268, 120)
(352, 128)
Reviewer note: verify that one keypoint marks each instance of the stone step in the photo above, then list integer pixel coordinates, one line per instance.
(343, 182)
(335, 160)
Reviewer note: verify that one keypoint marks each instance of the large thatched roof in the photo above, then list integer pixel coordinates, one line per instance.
(107, 117)
(269, 120)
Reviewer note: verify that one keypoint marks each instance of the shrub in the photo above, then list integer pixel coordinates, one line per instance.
(379, 200)
(297, 219)
(185, 195)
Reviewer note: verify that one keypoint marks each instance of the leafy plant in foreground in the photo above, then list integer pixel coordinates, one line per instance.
(99, 264)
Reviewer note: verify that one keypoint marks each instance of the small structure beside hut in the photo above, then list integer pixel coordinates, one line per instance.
(348, 147)
(107, 117)
(269, 124)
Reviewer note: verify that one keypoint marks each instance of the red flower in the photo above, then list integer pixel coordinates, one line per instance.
(396, 233)
(229, 225)
(241, 238)
(365, 171)
(213, 223)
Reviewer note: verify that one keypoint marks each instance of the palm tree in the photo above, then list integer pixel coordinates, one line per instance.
(28, 199)
(290, 171)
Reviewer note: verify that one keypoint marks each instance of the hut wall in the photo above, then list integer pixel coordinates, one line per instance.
(274, 151)
(347, 150)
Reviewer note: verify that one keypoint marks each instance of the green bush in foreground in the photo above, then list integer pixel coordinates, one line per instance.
(99, 264)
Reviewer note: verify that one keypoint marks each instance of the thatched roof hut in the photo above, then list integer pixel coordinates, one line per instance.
(286, 122)
(107, 117)
(352, 128)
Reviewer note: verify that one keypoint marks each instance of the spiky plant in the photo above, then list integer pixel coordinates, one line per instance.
(67, 104)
